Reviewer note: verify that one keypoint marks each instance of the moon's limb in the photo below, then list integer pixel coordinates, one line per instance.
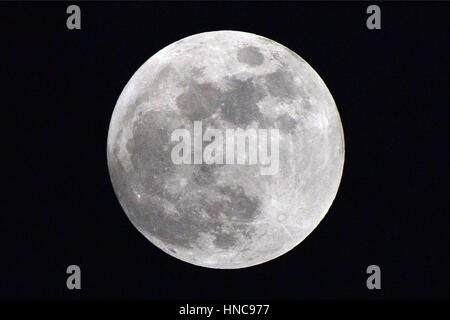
(225, 216)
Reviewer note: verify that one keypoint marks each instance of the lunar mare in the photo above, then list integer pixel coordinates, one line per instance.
(219, 215)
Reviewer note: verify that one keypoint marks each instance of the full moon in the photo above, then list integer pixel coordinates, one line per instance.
(224, 214)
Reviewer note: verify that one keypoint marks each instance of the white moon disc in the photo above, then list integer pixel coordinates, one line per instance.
(225, 215)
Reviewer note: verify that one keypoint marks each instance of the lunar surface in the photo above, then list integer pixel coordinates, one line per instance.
(225, 215)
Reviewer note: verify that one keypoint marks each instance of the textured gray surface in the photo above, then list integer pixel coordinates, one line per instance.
(225, 216)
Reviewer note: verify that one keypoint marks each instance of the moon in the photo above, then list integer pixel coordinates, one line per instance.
(225, 215)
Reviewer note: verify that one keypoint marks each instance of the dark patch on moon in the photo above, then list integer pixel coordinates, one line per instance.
(205, 174)
(240, 205)
(250, 55)
(239, 104)
(151, 136)
(286, 123)
(199, 101)
(224, 240)
(184, 228)
(281, 84)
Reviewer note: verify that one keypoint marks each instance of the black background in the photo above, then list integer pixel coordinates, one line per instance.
(391, 88)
